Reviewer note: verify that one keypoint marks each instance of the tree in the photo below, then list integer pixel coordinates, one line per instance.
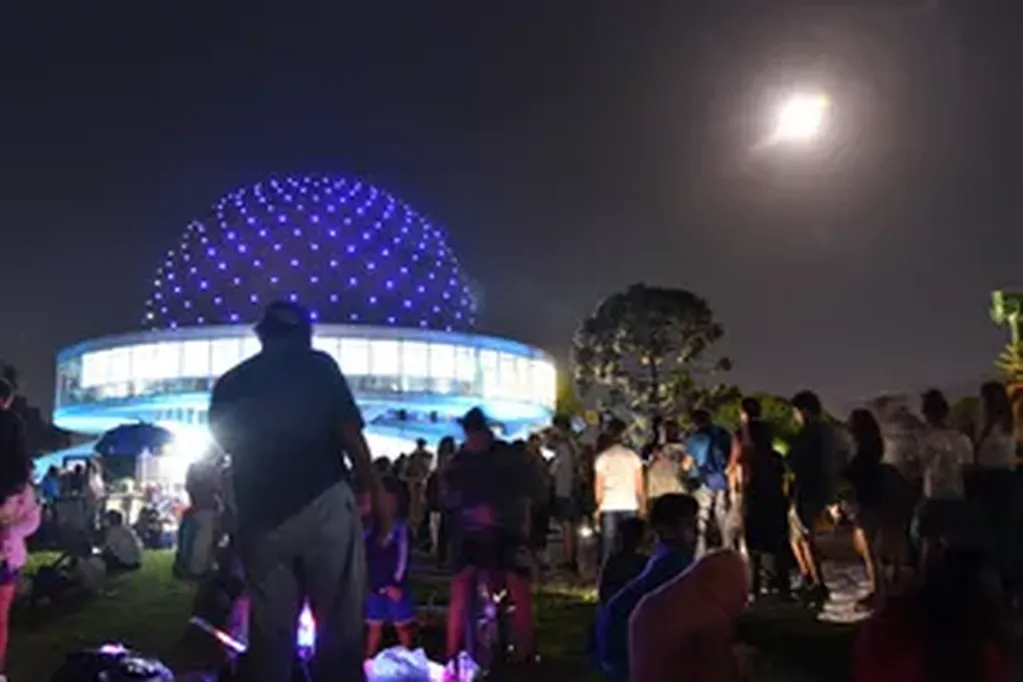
(1007, 311)
(643, 349)
(685, 395)
(567, 402)
(964, 414)
(777, 412)
(1010, 363)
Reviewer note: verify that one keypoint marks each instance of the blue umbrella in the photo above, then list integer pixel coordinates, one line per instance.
(131, 440)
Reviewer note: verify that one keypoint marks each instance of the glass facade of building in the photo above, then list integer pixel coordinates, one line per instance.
(379, 363)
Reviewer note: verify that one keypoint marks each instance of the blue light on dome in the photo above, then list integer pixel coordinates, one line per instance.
(260, 244)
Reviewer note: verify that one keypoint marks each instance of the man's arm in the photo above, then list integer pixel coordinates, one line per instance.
(734, 469)
(362, 460)
(640, 482)
(350, 425)
(598, 482)
(402, 567)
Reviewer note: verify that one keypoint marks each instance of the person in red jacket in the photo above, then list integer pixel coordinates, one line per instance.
(947, 630)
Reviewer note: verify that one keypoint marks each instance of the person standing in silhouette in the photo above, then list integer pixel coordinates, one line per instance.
(287, 420)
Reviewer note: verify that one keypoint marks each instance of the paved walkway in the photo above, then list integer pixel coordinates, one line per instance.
(848, 584)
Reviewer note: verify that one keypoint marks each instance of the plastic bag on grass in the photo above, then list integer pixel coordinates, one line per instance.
(399, 664)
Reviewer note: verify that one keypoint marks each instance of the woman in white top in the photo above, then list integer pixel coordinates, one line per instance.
(664, 470)
(993, 486)
(618, 485)
(945, 454)
(996, 445)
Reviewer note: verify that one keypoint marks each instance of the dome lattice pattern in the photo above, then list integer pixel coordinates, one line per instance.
(351, 253)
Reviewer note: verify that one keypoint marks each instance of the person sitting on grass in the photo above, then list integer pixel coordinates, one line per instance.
(388, 599)
(122, 549)
(626, 561)
(673, 518)
(685, 631)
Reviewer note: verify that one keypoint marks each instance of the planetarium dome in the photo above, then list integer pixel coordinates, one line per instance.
(390, 303)
(350, 252)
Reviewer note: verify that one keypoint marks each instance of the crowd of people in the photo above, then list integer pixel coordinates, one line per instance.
(936, 518)
(298, 529)
(732, 520)
(730, 516)
(694, 525)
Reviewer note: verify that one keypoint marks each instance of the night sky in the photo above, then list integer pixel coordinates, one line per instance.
(570, 147)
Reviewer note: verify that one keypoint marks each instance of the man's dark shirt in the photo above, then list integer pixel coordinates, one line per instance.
(806, 459)
(499, 478)
(278, 416)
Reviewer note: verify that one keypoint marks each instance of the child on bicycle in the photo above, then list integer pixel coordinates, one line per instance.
(389, 600)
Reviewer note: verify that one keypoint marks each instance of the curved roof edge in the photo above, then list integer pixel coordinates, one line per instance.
(353, 330)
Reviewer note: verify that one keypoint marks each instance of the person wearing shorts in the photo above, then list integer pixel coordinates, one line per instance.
(564, 470)
(807, 461)
(288, 421)
(492, 488)
(388, 597)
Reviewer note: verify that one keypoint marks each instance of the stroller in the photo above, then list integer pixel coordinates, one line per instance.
(78, 568)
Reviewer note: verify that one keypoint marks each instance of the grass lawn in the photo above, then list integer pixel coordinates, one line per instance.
(149, 610)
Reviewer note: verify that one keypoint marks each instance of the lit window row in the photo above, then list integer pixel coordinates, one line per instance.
(496, 374)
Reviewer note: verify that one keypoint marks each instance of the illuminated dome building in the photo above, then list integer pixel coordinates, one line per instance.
(389, 299)
(350, 252)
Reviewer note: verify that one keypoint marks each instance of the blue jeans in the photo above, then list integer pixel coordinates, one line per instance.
(713, 520)
(609, 530)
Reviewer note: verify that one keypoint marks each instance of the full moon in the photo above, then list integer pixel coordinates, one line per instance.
(801, 118)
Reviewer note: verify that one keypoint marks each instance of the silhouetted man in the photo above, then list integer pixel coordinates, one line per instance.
(286, 418)
(807, 460)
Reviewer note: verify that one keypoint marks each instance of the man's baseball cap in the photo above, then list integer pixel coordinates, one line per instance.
(282, 317)
(475, 420)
